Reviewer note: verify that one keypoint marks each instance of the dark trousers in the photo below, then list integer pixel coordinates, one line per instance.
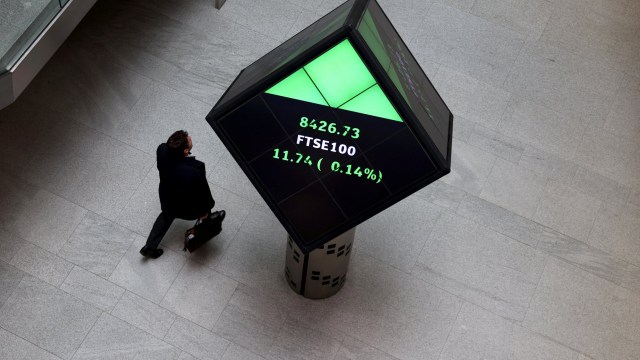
(159, 229)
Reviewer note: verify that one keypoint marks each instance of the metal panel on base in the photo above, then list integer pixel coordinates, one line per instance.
(323, 271)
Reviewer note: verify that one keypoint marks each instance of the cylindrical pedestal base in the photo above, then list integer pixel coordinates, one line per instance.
(323, 271)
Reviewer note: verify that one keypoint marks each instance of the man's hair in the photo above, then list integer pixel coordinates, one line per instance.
(178, 141)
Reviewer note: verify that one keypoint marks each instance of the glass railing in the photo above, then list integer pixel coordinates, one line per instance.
(21, 22)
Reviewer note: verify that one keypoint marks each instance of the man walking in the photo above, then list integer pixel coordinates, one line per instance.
(184, 191)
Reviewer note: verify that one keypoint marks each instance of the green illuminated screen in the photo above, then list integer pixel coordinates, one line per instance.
(406, 74)
(323, 142)
(291, 48)
(340, 79)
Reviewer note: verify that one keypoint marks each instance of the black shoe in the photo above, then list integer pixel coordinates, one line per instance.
(222, 214)
(152, 253)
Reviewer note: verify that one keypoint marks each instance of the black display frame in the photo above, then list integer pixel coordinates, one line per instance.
(347, 31)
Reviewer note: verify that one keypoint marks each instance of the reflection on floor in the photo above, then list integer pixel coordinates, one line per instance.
(529, 249)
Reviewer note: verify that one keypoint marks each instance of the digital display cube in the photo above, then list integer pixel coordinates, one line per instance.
(336, 124)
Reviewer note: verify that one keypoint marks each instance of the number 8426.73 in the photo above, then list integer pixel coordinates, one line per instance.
(331, 128)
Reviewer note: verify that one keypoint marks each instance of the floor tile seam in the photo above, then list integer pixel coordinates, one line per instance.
(453, 324)
(198, 326)
(268, 295)
(516, 98)
(476, 148)
(542, 335)
(619, 284)
(138, 73)
(85, 300)
(253, 203)
(499, 26)
(625, 266)
(593, 226)
(244, 221)
(110, 136)
(588, 274)
(73, 266)
(218, 160)
(73, 231)
(583, 59)
(551, 230)
(322, 330)
(213, 324)
(583, 134)
(272, 341)
(130, 198)
(20, 337)
(84, 339)
(294, 23)
(175, 277)
(56, 257)
(500, 231)
(623, 86)
(21, 241)
(496, 131)
(175, 88)
(384, 262)
(628, 190)
(219, 12)
(486, 294)
(300, 11)
(535, 292)
(118, 264)
(214, 266)
(485, 181)
(599, 63)
(133, 106)
(610, 104)
(539, 204)
(503, 113)
(410, 43)
(432, 201)
(247, 238)
(231, 344)
(226, 348)
(427, 241)
(525, 36)
(22, 275)
(59, 194)
(133, 231)
(110, 312)
(527, 219)
(101, 132)
(231, 191)
(522, 325)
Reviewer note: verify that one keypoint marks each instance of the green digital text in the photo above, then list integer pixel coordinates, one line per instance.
(353, 170)
(331, 128)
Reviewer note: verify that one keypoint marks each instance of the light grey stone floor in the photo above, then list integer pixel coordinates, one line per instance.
(528, 250)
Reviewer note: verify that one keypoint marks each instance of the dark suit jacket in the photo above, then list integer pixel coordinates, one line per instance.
(184, 191)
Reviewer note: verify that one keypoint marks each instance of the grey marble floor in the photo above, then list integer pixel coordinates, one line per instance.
(528, 250)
